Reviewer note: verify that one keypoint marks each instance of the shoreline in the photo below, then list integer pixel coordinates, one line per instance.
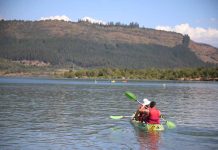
(59, 76)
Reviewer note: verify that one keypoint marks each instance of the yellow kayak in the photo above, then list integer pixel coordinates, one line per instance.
(149, 127)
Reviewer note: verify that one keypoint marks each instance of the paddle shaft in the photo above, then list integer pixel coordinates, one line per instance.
(139, 102)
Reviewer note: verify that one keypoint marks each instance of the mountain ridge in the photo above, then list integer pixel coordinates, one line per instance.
(72, 43)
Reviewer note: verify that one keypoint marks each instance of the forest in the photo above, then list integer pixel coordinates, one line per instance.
(87, 54)
(147, 74)
(16, 68)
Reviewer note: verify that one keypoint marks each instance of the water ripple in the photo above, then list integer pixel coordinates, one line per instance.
(41, 114)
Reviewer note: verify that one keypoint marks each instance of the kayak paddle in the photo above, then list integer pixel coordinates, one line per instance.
(169, 124)
(119, 117)
(132, 96)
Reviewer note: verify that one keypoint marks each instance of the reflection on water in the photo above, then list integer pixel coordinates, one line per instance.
(68, 114)
(148, 139)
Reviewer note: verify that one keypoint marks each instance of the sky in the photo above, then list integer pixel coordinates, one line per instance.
(197, 18)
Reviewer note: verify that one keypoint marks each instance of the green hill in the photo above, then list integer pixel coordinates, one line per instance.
(86, 45)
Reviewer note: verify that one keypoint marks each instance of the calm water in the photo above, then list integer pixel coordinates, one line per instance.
(72, 114)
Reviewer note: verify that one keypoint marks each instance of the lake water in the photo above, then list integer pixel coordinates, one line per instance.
(74, 114)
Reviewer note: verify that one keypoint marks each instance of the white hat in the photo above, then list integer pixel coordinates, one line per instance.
(146, 101)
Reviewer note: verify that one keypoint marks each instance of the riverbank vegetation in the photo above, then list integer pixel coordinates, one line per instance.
(146, 74)
(14, 68)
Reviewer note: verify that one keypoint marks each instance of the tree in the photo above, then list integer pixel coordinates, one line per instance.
(133, 25)
(186, 40)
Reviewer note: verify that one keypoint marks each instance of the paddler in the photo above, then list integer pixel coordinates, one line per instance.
(154, 114)
(142, 112)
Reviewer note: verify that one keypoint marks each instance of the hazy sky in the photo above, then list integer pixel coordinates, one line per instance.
(198, 18)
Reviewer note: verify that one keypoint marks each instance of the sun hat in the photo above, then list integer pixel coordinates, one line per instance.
(146, 101)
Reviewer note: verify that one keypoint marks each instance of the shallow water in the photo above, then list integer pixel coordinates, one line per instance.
(74, 114)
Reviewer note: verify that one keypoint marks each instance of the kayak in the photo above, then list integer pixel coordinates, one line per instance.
(155, 127)
(147, 127)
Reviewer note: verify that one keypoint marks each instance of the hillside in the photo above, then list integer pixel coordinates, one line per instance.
(86, 45)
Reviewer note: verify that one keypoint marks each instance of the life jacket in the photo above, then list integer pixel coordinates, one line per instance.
(154, 116)
(142, 117)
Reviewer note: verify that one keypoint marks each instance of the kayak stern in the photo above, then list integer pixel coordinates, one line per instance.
(148, 127)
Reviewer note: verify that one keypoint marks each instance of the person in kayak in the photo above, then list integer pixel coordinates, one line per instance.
(143, 111)
(154, 114)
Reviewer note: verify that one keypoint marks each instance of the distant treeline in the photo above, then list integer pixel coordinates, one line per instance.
(147, 74)
(111, 23)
